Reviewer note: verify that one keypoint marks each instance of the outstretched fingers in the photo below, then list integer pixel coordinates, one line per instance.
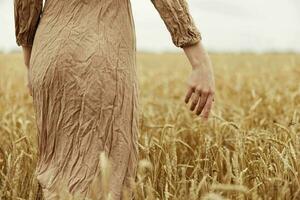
(188, 95)
(208, 105)
(195, 100)
(201, 100)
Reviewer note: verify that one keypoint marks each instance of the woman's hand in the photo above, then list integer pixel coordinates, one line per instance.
(27, 55)
(201, 80)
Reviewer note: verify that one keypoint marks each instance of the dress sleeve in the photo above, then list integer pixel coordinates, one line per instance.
(179, 22)
(27, 16)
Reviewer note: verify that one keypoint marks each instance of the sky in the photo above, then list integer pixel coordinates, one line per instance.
(225, 25)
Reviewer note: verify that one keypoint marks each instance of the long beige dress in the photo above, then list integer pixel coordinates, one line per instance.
(85, 86)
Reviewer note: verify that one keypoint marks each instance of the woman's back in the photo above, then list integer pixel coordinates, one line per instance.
(84, 31)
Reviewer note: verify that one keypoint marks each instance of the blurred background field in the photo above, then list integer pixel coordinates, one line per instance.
(249, 148)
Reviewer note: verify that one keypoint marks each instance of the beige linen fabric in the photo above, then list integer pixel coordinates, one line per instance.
(85, 86)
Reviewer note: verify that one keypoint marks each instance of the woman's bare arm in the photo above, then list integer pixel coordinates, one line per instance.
(201, 80)
(26, 54)
(186, 35)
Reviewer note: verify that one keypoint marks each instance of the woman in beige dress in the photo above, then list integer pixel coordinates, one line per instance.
(81, 60)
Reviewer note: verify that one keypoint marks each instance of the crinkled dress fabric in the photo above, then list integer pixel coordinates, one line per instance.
(85, 86)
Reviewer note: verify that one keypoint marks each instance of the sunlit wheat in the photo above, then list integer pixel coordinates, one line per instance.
(249, 148)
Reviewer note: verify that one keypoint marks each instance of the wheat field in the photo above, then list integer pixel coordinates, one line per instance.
(248, 149)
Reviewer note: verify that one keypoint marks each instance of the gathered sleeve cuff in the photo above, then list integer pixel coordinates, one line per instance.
(179, 22)
(27, 16)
